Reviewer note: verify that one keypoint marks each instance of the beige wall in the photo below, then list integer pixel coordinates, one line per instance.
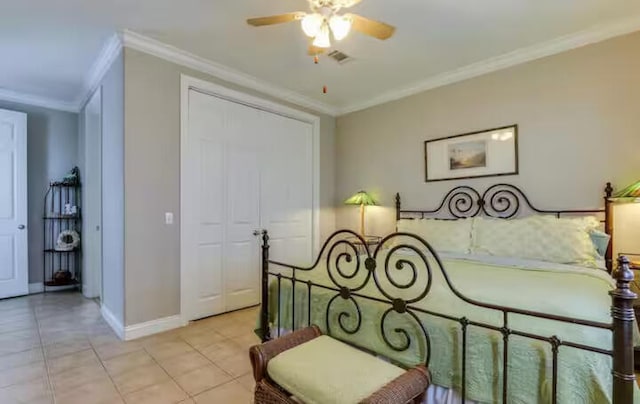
(152, 183)
(579, 120)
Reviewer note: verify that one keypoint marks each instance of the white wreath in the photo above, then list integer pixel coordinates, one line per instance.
(62, 245)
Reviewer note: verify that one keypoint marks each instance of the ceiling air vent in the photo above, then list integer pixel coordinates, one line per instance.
(339, 56)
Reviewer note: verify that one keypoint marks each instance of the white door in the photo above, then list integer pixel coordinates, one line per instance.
(14, 265)
(240, 175)
(288, 189)
(92, 204)
(241, 271)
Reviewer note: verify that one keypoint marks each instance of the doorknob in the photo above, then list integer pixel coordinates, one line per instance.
(257, 232)
(21, 227)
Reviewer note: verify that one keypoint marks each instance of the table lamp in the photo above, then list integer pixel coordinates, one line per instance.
(363, 199)
(629, 194)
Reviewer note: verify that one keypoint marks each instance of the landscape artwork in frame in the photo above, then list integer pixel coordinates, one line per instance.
(468, 155)
(485, 153)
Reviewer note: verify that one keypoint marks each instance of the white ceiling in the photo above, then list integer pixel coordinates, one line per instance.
(48, 46)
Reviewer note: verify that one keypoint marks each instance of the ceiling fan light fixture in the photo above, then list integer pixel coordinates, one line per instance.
(322, 40)
(340, 26)
(311, 24)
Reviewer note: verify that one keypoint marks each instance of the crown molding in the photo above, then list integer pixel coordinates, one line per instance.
(92, 80)
(37, 101)
(108, 54)
(114, 44)
(159, 49)
(562, 44)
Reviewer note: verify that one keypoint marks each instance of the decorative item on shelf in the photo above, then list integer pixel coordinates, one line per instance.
(68, 240)
(73, 178)
(486, 153)
(62, 277)
(363, 199)
(70, 210)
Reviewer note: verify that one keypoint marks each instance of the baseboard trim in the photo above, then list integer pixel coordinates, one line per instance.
(37, 287)
(113, 322)
(152, 327)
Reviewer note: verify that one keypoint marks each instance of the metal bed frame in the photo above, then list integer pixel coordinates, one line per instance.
(500, 201)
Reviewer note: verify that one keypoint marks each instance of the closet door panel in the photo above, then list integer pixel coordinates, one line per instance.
(242, 274)
(210, 234)
(288, 189)
(204, 208)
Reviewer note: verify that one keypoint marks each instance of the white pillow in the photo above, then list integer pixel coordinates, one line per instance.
(442, 235)
(539, 237)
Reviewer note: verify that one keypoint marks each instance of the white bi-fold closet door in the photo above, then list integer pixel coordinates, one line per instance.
(246, 170)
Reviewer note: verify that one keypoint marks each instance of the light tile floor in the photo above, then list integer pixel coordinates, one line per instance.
(56, 348)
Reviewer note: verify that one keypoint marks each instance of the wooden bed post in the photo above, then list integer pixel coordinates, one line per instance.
(608, 225)
(264, 313)
(397, 206)
(623, 323)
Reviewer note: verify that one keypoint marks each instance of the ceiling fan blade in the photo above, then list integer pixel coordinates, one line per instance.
(372, 28)
(314, 50)
(275, 19)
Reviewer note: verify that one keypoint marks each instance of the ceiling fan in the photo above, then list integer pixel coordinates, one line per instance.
(325, 21)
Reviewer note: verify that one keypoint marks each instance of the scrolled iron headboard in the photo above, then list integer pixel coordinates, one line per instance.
(504, 201)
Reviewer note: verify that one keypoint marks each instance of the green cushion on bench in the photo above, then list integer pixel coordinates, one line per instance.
(327, 371)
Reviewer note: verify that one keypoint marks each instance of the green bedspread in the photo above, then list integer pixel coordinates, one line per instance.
(583, 377)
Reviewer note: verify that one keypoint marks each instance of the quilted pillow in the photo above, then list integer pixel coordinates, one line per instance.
(544, 238)
(442, 235)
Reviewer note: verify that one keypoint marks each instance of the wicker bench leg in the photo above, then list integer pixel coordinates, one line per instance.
(266, 393)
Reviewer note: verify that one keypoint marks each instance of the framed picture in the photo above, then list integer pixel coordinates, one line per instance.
(485, 153)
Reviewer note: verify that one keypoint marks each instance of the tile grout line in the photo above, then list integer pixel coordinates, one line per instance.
(106, 371)
(144, 348)
(210, 361)
(44, 358)
(233, 378)
(93, 348)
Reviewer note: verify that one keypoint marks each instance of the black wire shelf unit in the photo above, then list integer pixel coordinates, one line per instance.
(62, 266)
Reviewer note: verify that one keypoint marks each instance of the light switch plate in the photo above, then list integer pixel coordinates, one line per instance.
(168, 218)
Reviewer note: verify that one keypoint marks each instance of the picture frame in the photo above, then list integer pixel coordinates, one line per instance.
(485, 153)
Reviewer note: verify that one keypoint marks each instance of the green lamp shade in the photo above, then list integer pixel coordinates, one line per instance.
(632, 192)
(361, 198)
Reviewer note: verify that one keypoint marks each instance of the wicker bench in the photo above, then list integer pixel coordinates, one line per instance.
(317, 369)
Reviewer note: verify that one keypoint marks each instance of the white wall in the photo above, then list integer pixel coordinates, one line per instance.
(52, 151)
(579, 120)
(113, 242)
